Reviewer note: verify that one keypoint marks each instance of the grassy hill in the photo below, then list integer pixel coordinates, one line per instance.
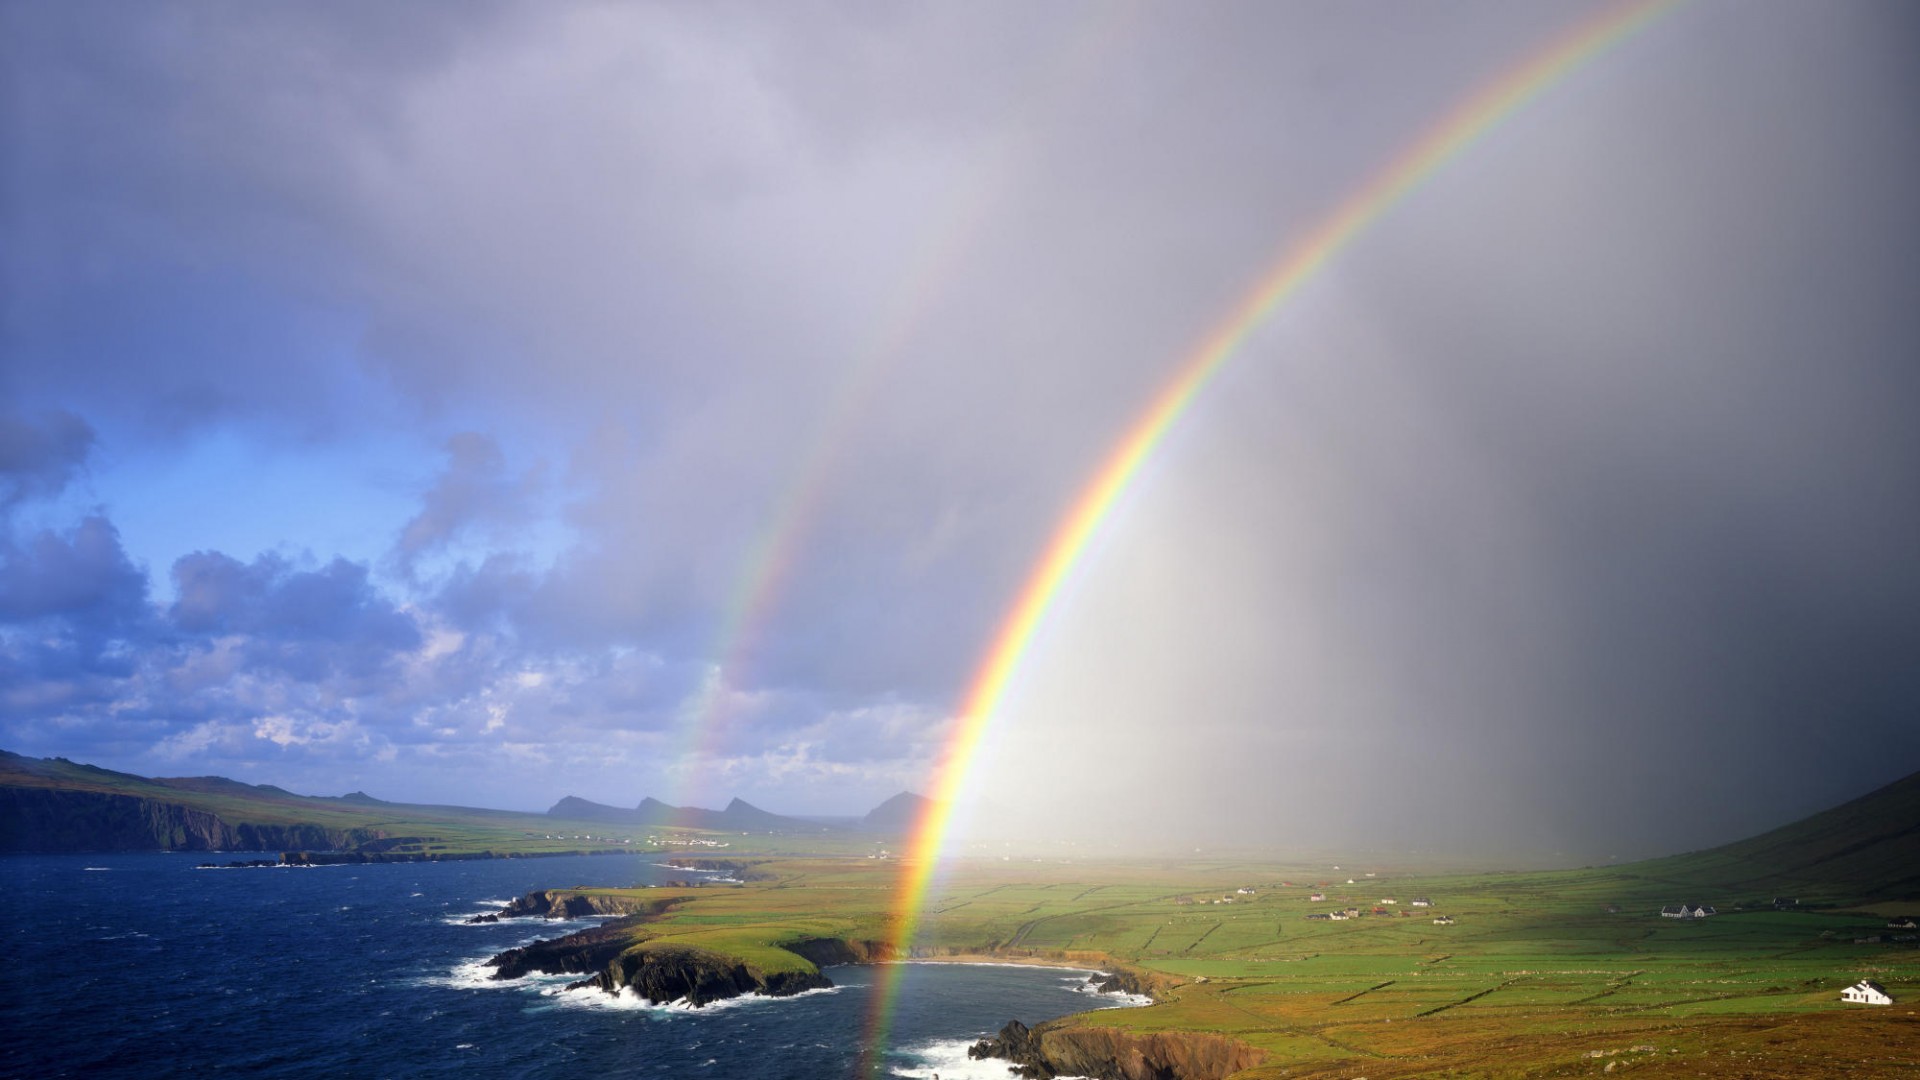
(50, 805)
(1558, 973)
(1869, 846)
(56, 805)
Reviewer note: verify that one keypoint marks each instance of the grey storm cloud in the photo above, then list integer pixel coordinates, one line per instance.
(40, 455)
(1588, 468)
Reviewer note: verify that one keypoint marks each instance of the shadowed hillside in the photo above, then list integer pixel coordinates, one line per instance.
(56, 805)
(1867, 847)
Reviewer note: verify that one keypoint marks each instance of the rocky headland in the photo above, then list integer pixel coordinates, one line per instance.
(624, 956)
(1065, 1048)
(55, 820)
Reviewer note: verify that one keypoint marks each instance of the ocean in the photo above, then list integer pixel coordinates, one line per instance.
(142, 965)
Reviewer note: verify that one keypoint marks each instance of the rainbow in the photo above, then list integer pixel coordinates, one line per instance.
(768, 561)
(1462, 127)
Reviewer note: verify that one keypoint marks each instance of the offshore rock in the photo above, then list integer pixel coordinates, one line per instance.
(1054, 1049)
(698, 977)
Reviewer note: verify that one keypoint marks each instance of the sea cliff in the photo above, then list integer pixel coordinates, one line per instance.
(623, 956)
(1066, 1048)
(46, 820)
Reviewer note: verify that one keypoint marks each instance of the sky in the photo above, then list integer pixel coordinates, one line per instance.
(486, 403)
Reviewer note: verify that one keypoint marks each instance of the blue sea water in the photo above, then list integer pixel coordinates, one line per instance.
(142, 965)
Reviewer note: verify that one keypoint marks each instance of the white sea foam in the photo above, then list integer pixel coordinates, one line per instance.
(97, 868)
(476, 973)
(588, 997)
(947, 1059)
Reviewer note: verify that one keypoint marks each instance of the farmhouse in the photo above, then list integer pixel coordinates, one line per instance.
(1316, 897)
(1902, 922)
(1687, 911)
(1420, 901)
(1443, 920)
(1784, 903)
(1866, 992)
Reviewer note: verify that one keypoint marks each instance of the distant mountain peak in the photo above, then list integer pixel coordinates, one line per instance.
(898, 813)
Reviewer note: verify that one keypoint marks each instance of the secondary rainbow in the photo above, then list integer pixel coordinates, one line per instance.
(768, 562)
(1456, 131)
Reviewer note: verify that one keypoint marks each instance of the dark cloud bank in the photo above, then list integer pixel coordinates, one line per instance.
(1572, 510)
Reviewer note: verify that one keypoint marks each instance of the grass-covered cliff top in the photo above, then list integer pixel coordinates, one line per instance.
(1534, 972)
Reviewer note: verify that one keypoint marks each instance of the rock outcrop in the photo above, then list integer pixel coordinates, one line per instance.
(568, 904)
(618, 956)
(664, 973)
(1123, 981)
(1066, 1049)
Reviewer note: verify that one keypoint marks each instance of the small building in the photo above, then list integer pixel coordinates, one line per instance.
(1388, 900)
(1443, 920)
(1317, 897)
(1784, 903)
(1420, 901)
(1866, 992)
(1903, 922)
(1339, 916)
(1687, 911)
(1319, 915)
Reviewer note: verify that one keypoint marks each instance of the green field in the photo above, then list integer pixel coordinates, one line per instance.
(1555, 973)
(1534, 975)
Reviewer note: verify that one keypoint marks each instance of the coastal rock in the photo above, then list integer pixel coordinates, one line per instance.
(567, 904)
(583, 953)
(619, 956)
(730, 868)
(1120, 981)
(698, 977)
(1063, 1049)
(827, 952)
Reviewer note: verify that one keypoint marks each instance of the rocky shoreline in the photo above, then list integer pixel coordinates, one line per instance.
(620, 957)
(1064, 1048)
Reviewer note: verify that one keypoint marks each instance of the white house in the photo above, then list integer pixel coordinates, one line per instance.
(1866, 992)
(1420, 901)
(1443, 920)
(1318, 896)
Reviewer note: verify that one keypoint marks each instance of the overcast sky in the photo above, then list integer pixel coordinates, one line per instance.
(490, 403)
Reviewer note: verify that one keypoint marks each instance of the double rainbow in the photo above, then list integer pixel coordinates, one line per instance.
(1462, 127)
(768, 562)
